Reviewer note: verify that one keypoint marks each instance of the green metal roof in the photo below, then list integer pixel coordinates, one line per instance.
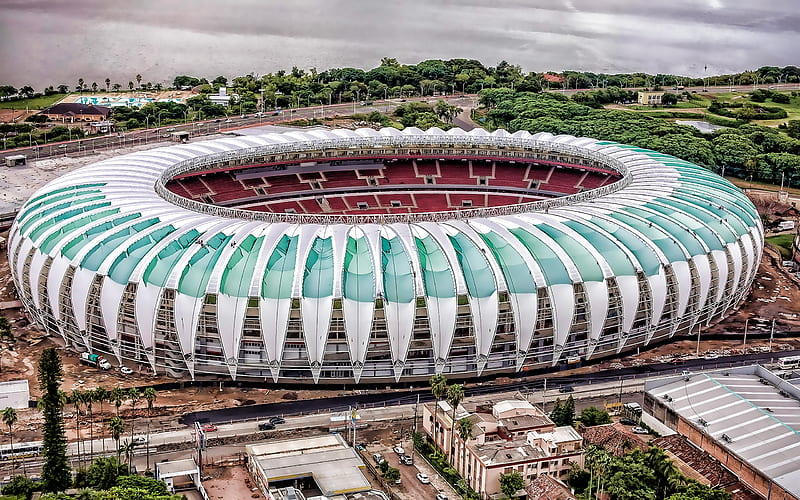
(63, 196)
(647, 258)
(358, 278)
(125, 263)
(238, 272)
(587, 265)
(685, 236)
(195, 276)
(518, 276)
(99, 252)
(654, 233)
(553, 269)
(49, 221)
(612, 253)
(477, 273)
(279, 273)
(159, 269)
(398, 278)
(436, 272)
(318, 276)
(76, 244)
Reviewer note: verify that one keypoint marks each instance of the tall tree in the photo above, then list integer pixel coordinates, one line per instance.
(80, 84)
(465, 429)
(117, 396)
(10, 418)
(76, 398)
(55, 469)
(134, 396)
(116, 426)
(94, 86)
(108, 83)
(150, 396)
(511, 483)
(439, 390)
(139, 80)
(88, 400)
(100, 395)
(455, 395)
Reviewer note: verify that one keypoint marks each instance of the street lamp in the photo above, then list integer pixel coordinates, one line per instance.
(159, 118)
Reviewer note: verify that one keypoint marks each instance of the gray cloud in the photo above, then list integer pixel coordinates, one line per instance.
(44, 42)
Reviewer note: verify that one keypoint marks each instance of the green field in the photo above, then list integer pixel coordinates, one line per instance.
(35, 103)
(784, 243)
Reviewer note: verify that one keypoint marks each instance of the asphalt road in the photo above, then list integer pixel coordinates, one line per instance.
(408, 396)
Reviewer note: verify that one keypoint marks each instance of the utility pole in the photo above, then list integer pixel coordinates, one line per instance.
(771, 334)
(744, 342)
(697, 354)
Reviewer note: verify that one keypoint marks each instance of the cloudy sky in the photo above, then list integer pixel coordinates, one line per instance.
(45, 42)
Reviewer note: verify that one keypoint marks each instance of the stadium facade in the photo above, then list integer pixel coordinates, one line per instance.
(379, 256)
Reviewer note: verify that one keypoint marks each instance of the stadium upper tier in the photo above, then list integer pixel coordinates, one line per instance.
(384, 255)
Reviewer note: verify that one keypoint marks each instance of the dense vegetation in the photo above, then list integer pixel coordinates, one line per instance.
(637, 475)
(746, 150)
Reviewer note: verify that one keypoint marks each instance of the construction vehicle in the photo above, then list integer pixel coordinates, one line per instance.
(95, 360)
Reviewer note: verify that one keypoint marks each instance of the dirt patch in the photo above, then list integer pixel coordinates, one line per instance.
(230, 482)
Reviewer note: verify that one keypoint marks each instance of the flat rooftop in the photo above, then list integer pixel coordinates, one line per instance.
(334, 466)
(747, 410)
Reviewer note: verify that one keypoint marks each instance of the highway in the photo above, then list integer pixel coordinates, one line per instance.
(375, 399)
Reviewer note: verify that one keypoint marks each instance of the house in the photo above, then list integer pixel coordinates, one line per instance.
(650, 98)
(71, 112)
(511, 435)
(547, 487)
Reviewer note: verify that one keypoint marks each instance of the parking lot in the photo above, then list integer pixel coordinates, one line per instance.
(410, 487)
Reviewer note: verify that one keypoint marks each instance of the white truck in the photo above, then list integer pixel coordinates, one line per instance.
(95, 360)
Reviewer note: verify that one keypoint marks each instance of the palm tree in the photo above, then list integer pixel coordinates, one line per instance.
(10, 418)
(117, 395)
(465, 432)
(439, 390)
(130, 85)
(135, 396)
(150, 396)
(100, 395)
(455, 395)
(108, 83)
(116, 427)
(139, 80)
(76, 398)
(80, 84)
(88, 399)
(667, 475)
(94, 86)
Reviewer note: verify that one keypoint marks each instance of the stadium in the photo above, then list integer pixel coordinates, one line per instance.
(378, 256)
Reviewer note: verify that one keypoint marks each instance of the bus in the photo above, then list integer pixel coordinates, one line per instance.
(789, 362)
(20, 450)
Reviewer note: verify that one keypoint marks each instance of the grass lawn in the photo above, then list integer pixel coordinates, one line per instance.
(35, 103)
(784, 242)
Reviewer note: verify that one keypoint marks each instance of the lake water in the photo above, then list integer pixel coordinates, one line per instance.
(44, 42)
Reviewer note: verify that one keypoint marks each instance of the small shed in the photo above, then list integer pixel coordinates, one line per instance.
(14, 394)
(181, 136)
(15, 161)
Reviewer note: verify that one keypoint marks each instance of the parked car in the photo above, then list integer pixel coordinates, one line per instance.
(125, 370)
(566, 388)
(423, 478)
(639, 430)
(627, 421)
(406, 460)
(266, 426)
(441, 496)
(209, 427)
(277, 420)
(378, 458)
(139, 440)
(399, 450)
